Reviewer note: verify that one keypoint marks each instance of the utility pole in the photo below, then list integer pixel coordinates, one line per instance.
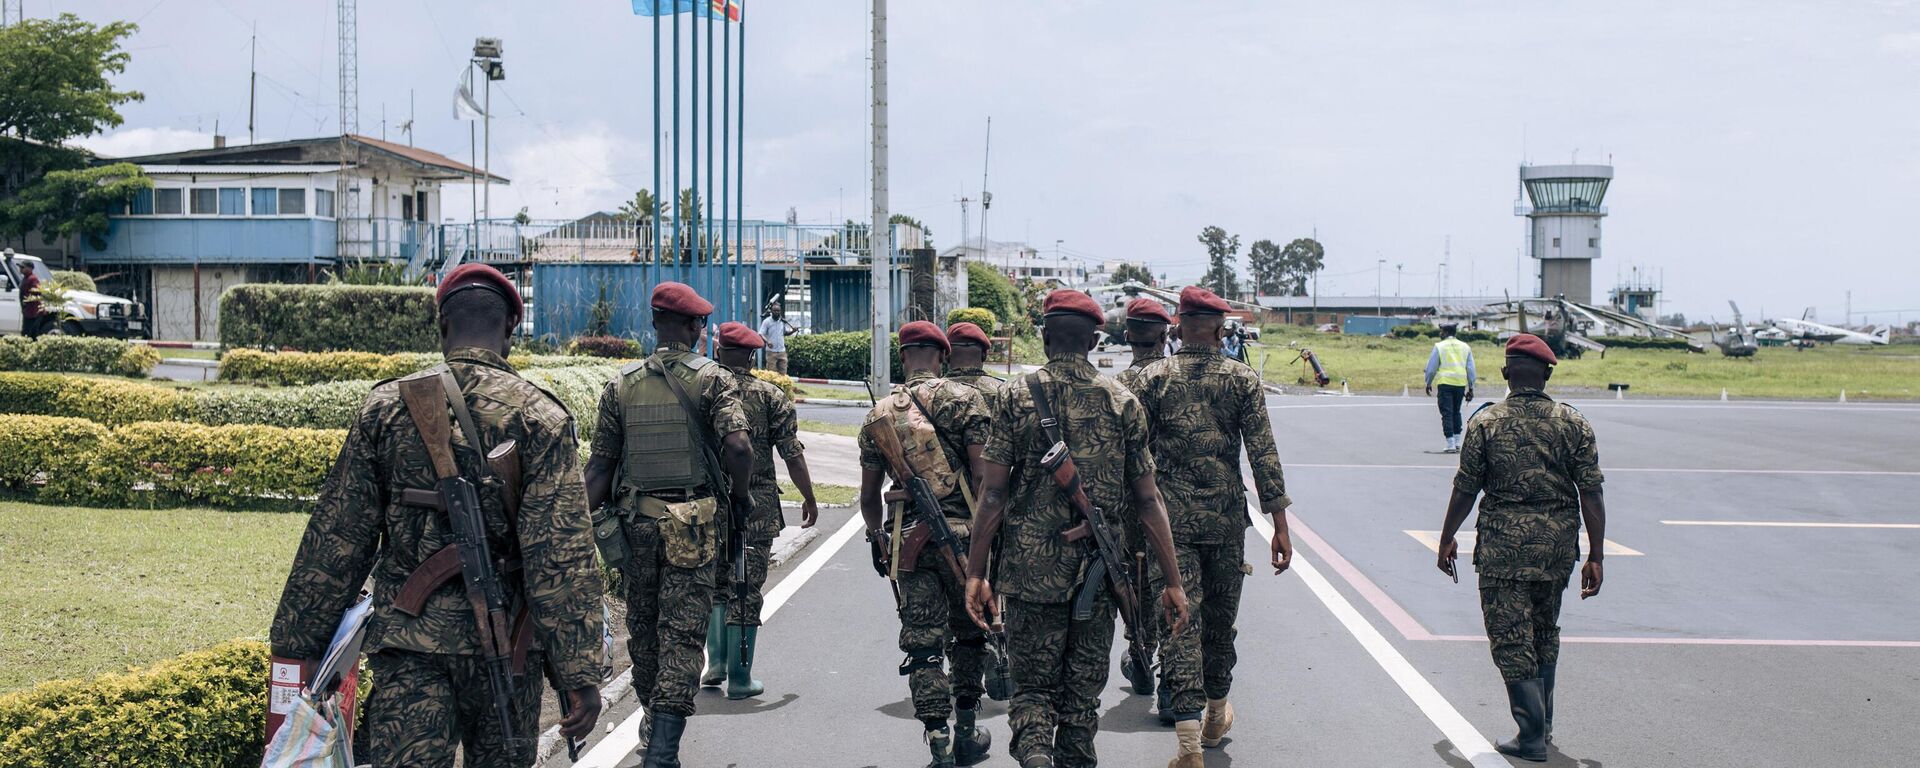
(880, 237)
(1379, 304)
(1398, 272)
(253, 77)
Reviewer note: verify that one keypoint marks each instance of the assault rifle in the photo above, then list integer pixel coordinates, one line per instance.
(1111, 568)
(925, 508)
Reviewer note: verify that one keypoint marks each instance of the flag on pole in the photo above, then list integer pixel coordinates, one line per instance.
(464, 107)
(705, 8)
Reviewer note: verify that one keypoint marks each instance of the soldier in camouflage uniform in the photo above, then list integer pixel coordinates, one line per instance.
(933, 620)
(432, 694)
(1147, 323)
(1202, 406)
(671, 509)
(967, 363)
(772, 424)
(1536, 462)
(1060, 664)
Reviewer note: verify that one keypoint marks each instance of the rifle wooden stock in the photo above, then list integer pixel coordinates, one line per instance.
(888, 444)
(504, 460)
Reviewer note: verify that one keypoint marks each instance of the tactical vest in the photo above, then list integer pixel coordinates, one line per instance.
(1452, 371)
(663, 452)
(919, 440)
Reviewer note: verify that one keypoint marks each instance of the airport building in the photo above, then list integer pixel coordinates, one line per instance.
(1564, 208)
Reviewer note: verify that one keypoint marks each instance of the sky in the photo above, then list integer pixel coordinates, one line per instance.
(1764, 151)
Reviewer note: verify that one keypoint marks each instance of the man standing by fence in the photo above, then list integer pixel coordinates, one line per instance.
(1451, 366)
(774, 329)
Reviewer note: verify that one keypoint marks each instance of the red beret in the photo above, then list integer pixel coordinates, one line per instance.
(923, 332)
(1147, 309)
(967, 333)
(1195, 300)
(1529, 345)
(1071, 302)
(739, 336)
(480, 276)
(679, 298)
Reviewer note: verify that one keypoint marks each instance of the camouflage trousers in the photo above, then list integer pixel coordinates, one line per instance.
(933, 615)
(1523, 624)
(746, 613)
(1197, 664)
(1059, 670)
(424, 705)
(666, 621)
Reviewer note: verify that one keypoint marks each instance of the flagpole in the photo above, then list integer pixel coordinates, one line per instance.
(706, 201)
(677, 212)
(726, 148)
(740, 152)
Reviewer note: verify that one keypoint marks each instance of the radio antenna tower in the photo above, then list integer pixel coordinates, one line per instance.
(10, 13)
(347, 204)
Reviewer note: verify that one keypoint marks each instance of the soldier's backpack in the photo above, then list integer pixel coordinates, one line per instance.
(919, 440)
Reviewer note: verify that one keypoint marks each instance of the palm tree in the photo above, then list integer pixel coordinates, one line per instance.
(640, 208)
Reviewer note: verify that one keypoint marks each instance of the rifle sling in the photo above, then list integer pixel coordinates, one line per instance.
(1043, 408)
(966, 489)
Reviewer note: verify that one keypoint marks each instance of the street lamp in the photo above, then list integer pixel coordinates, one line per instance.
(1379, 307)
(486, 56)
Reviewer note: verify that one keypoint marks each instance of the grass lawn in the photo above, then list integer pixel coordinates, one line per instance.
(847, 430)
(96, 590)
(192, 354)
(829, 392)
(1380, 365)
(822, 492)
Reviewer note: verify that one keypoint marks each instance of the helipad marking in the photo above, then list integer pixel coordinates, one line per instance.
(1466, 539)
(1784, 524)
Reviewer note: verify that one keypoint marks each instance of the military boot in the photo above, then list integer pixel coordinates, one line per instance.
(1546, 695)
(1141, 680)
(1189, 754)
(1219, 721)
(663, 746)
(1529, 711)
(646, 730)
(970, 742)
(740, 682)
(716, 672)
(1037, 761)
(940, 745)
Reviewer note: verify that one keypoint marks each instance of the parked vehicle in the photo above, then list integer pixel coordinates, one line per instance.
(86, 313)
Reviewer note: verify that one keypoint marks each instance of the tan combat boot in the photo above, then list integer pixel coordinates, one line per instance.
(1219, 721)
(1189, 755)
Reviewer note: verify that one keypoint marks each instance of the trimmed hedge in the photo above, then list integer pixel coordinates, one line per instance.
(317, 318)
(977, 315)
(76, 354)
(249, 366)
(784, 382)
(199, 710)
(840, 355)
(604, 346)
(1426, 331)
(163, 463)
(107, 401)
(1639, 342)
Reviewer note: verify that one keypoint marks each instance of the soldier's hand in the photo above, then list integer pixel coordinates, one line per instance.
(1590, 579)
(809, 513)
(1469, 394)
(980, 602)
(1429, 390)
(1449, 549)
(1281, 548)
(578, 724)
(877, 541)
(1173, 601)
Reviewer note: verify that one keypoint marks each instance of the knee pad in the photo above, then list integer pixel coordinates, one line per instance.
(921, 658)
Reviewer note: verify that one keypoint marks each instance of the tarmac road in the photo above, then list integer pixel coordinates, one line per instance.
(1715, 642)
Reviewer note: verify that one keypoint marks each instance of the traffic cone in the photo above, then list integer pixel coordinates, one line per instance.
(1345, 393)
(1843, 395)
(1723, 394)
(1406, 390)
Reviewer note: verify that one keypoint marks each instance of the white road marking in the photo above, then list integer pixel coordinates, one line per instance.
(1466, 540)
(1443, 715)
(1786, 524)
(1710, 406)
(625, 738)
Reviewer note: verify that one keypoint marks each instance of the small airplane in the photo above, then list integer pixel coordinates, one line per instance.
(1739, 342)
(1804, 330)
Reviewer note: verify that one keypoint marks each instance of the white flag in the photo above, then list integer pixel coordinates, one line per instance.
(464, 107)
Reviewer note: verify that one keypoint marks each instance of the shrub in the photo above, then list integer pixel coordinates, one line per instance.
(163, 463)
(1428, 331)
(319, 318)
(50, 448)
(108, 401)
(579, 388)
(200, 710)
(977, 315)
(282, 368)
(76, 354)
(840, 355)
(14, 351)
(73, 280)
(1637, 342)
(992, 291)
(330, 405)
(784, 382)
(604, 346)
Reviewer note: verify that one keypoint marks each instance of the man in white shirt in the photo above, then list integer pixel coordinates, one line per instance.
(774, 328)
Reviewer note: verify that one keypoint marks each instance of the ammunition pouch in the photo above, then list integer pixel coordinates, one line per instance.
(922, 658)
(610, 535)
(688, 531)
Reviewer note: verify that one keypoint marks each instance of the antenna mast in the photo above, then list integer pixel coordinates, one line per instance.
(253, 76)
(986, 198)
(346, 205)
(10, 13)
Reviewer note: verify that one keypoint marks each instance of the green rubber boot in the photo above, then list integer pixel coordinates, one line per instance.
(740, 682)
(716, 672)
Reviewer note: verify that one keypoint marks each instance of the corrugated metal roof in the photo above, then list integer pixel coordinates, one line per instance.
(241, 170)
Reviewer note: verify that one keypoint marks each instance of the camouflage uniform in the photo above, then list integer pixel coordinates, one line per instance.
(933, 608)
(1532, 457)
(667, 604)
(772, 425)
(1202, 405)
(988, 385)
(433, 691)
(1060, 665)
(1150, 628)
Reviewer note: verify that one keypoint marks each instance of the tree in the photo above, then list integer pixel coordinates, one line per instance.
(988, 289)
(1264, 261)
(926, 233)
(1131, 271)
(53, 78)
(71, 202)
(1298, 261)
(641, 208)
(1222, 249)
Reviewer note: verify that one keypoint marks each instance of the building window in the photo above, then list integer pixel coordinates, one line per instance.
(406, 207)
(142, 203)
(203, 202)
(167, 201)
(266, 201)
(1556, 242)
(293, 202)
(323, 203)
(233, 201)
(420, 205)
(1593, 242)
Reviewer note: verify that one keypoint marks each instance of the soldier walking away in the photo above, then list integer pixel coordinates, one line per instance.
(669, 483)
(443, 684)
(1079, 441)
(1201, 407)
(928, 435)
(1451, 366)
(1146, 329)
(1536, 462)
(733, 632)
(966, 364)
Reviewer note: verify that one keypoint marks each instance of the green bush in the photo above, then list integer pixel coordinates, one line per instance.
(54, 450)
(579, 388)
(200, 710)
(248, 366)
(59, 459)
(979, 316)
(72, 280)
(329, 405)
(604, 346)
(1637, 342)
(840, 355)
(1427, 331)
(783, 381)
(76, 354)
(322, 318)
(108, 401)
(992, 291)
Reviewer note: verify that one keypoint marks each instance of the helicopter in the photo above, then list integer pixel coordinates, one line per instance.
(1738, 342)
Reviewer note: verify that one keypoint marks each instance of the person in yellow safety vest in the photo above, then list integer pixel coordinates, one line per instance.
(1451, 366)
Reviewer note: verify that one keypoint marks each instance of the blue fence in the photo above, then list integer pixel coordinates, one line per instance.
(567, 296)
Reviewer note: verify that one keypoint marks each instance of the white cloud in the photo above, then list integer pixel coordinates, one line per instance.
(1901, 44)
(133, 142)
(568, 174)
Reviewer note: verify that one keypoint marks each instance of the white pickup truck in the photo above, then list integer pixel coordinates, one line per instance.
(87, 313)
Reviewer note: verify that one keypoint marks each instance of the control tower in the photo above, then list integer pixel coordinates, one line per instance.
(1563, 225)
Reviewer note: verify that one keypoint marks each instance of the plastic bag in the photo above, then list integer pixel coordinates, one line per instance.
(314, 736)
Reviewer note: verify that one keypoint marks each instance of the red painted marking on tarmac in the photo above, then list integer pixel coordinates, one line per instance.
(1408, 626)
